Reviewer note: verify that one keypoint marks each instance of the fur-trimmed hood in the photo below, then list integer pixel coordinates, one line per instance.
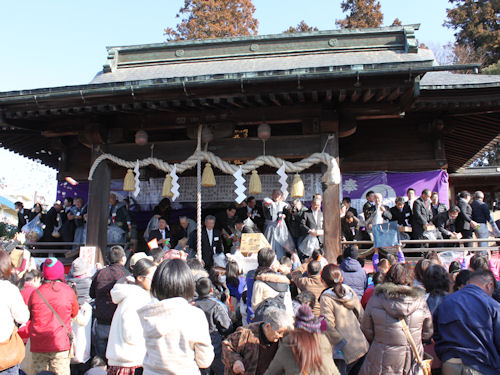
(275, 280)
(399, 301)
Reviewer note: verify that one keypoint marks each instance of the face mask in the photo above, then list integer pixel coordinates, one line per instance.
(222, 279)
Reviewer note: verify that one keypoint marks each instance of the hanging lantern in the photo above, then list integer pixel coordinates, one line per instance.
(129, 181)
(297, 187)
(264, 131)
(167, 187)
(141, 138)
(208, 178)
(255, 185)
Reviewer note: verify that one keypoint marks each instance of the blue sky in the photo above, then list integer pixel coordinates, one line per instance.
(62, 42)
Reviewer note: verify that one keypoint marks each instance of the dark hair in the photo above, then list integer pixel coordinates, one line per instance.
(29, 276)
(163, 218)
(462, 279)
(435, 193)
(433, 257)
(173, 279)
(399, 200)
(399, 274)
(265, 257)
(378, 278)
(479, 262)
(454, 209)
(347, 199)
(116, 253)
(410, 189)
(195, 264)
(483, 276)
(232, 273)
(426, 192)
(332, 276)
(232, 206)
(368, 193)
(18, 204)
(250, 198)
(142, 267)
(306, 297)
(317, 253)
(5, 264)
(436, 280)
(349, 215)
(464, 194)
(203, 286)
(454, 267)
(97, 362)
(79, 199)
(314, 267)
(286, 261)
(157, 254)
(351, 251)
(420, 268)
(391, 258)
(69, 199)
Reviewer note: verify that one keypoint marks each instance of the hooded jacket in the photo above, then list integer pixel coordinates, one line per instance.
(343, 316)
(354, 276)
(269, 285)
(126, 346)
(177, 337)
(390, 352)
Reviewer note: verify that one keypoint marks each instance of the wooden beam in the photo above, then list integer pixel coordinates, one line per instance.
(273, 99)
(394, 94)
(355, 95)
(342, 95)
(331, 200)
(368, 95)
(227, 148)
(98, 203)
(381, 94)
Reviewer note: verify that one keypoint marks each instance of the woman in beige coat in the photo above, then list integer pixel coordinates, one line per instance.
(390, 352)
(341, 307)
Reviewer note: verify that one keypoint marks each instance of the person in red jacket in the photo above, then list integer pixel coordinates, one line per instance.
(50, 342)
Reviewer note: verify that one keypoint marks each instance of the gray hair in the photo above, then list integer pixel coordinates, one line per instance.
(209, 217)
(478, 195)
(276, 317)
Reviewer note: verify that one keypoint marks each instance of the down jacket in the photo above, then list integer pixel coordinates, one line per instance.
(269, 285)
(343, 317)
(126, 346)
(390, 352)
(354, 276)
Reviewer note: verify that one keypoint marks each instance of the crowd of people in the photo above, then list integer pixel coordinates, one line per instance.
(169, 312)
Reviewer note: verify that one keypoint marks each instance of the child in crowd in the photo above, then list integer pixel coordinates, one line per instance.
(219, 323)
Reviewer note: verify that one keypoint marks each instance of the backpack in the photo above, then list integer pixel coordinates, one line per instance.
(277, 301)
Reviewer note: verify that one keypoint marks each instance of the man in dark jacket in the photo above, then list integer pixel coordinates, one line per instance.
(369, 207)
(51, 222)
(467, 328)
(482, 216)
(401, 212)
(22, 215)
(422, 215)
(445, 223)
(219, 323)
(354, 275)
(312, 221)
(102, 283)
(162, 234)
(211, 241)
(465, 224)
(436, 207)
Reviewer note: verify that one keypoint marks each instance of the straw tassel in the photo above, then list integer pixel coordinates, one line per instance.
(255, 184)
(129, 181)
(167, 187)
(297, 187)
(208, 178)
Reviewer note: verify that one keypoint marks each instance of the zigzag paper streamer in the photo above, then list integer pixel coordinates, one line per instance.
(282, 180)
(175, 184)
(240, 186)
(137, 183)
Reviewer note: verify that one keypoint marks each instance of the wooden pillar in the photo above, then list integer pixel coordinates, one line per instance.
(331, 203)
(98, 203)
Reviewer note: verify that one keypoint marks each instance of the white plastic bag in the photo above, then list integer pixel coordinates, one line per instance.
(309, 244)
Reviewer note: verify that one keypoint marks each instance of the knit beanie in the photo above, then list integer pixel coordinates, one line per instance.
(306, 320)
(53, 269)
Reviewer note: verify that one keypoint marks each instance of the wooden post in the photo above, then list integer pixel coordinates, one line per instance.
(98, 205)
(331, 203)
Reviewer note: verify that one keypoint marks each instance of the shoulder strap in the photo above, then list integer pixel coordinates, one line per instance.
(53, 311)
(412, 343)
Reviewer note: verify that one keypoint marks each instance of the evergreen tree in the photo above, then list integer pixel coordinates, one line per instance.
(477, 25)
(205, 19)
(362, 13)
(302, 27)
